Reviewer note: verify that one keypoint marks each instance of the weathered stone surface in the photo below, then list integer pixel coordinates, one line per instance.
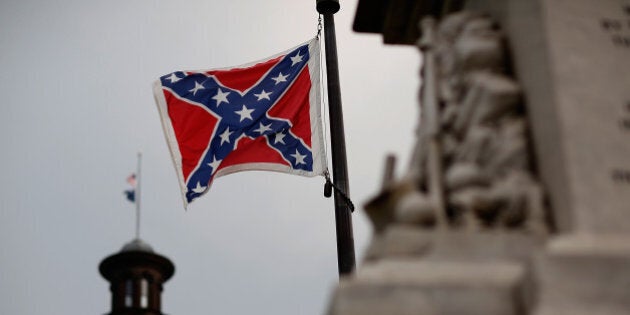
(381, 209)
(462, 175)
(489, 97)
(400, 241)
(592, 95)
(486, 288)
(572, 58)
(473, 144)
(585, 274)
(415, 208)
(355, 298)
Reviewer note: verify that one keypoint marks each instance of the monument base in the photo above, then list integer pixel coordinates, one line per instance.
(400, 287)
(584, 274)
(412, 271)
(399, 241)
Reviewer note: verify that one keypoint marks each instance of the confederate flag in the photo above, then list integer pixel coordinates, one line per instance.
(260, 116)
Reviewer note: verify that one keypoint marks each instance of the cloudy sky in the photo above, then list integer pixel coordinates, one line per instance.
(76, 107)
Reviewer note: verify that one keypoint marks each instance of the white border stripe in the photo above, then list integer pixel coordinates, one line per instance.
(317, 138)
(169, 134)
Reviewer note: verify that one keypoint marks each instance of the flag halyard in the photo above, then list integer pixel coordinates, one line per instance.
(260, 116)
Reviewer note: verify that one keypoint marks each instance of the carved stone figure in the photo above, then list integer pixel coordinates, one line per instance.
(481, 140)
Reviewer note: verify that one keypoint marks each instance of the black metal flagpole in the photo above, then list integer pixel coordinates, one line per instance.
(343, 219)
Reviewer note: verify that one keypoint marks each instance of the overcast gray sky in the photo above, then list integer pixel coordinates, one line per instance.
(77, 105)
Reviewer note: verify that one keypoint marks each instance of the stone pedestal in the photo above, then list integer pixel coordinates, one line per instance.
(400, 287)
(354, 297)
(571, 60)
(584, 274)
(411, 271)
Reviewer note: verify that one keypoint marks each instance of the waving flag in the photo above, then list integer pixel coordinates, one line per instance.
(131, 193)
(260, 116)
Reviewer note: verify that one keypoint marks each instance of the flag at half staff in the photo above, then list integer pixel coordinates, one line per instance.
(260, 116)
(131, 193)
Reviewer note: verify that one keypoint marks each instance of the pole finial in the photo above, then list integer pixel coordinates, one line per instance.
(327, 6)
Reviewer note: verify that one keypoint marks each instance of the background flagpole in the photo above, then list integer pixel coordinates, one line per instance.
(343, 219)
(137, 195)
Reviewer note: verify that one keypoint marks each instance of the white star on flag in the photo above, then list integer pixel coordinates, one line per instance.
(199, 189)
(263, 95)
(221, 97)
(280, 78)
(263, 128)
(225, 136)
(245, 113)
(173, 78)
(214, 164)
(299, 158)
(279, 138)
(296, 59)
(196, 88)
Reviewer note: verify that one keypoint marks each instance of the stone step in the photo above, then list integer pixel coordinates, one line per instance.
(584, 274)
(412, 286)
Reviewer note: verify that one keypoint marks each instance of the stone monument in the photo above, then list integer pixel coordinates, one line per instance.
(517, 197)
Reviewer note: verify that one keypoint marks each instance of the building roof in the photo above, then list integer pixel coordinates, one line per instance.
(137, 245)
(398, 20)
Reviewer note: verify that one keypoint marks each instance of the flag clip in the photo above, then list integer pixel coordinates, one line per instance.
(328, 187)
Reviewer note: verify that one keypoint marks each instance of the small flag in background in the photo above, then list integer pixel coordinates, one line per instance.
(131, 193)
(260, 116)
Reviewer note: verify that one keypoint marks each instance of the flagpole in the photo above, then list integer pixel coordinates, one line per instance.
(137, 195)
(343, 218)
